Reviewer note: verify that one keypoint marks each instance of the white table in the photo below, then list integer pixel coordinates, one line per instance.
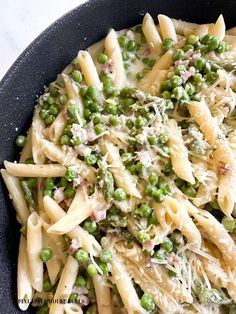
(22, 21)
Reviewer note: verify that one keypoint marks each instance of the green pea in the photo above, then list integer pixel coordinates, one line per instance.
(47, 192)
(229, 223)
(96, 117)
(65, 140)
(47, 286)
(140, 75)
(222, 47)
(104, 268)
(197, 78)
(73, 111)
(179, 93)
(214, 204)
(206, 39)
(178, 54)
(152, 220)
(132, 45)
(153, 179)
(176, 81)
(102, 58)
(49, 120)
(140, 122)
(64, 182)
(138, 29)
(127, 102)
(114, 120)
(213, 44)
(188, 47)
(166, 190)
(152, 140)
(167, 245)
(69, 192)
(149, 190)
(180, 69)
(92, 270)
(167, 43)
(159, 255)
(147, 302)
(199, 63)
(204, 49)
(143, 236)
(63, 99)
(119, 194)
(190, 192)
(190, 88)
(87, 113)
(179, 182)
(93, 93)
(83, 91)
(21, 140)
(43, 309)
(51, 100)
(90, 226)
(96, 107)
(80, 281)
(43, 114)
(81, 256)
(211, 77)
(54, 110)
(123, 41)
(161, 182)
(158, 195)
(49, 184)
(132, 169)
(139, 166)
(90, 160)
(126, 66)
(163, 137)
(125, 56)
(71, 173)
(106, 256)
(144, 210)
(45, 254)
(77, 141)
(111, 108)
(77, 76)
(166, 86)
(73, 298)
(129, 124)
(192, 40)
(99, 128)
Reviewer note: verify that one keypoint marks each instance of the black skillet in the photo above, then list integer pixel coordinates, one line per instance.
(38, 66)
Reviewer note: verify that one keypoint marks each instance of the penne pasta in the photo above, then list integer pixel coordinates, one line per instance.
(151, 34)
(218, 29)
(103, 296)
(34, 247)
(24, 288)
(88, 69)
(167, 27)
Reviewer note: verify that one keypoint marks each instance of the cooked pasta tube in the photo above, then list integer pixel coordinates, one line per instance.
(151, 34)
(24, 288)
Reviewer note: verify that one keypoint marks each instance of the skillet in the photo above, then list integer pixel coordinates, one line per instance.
(39, 64)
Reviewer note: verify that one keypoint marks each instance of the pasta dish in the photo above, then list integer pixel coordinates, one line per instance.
(125, 187)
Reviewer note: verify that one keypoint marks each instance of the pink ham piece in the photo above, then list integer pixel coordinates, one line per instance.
(73, 247)
(98, 215)
(59, 195)
(149, 245)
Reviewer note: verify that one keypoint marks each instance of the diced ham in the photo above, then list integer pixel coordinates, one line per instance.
(187, 74)
(59, 195)
(105, 119)
(77, 181)
(182, 62)
(149, 245)
(107, 67)
(69, 151)
(98, 215)
(145, 158)
(145, 51)
(74, 246)
(79, 132)
(80, 290)
(130, 35)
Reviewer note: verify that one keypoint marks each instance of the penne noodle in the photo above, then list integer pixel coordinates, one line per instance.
(167, 27)
(113, 51)
(151, 34)
(17, 196)
(218, 29)
(88, 69)
(103, 296)
(34, 247)
(38, 127)
(41, 171)
(24, 288)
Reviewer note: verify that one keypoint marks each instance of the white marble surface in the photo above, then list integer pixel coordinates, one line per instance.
(22, 21)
